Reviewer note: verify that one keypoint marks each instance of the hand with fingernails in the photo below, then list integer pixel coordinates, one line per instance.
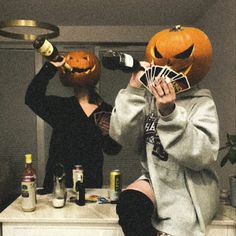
(163, 92)
(165, 96)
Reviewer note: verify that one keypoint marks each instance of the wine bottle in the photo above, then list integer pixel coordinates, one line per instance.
(49, 51)
(115, 60)
(79, 186)
(28, 185)
(80, 193)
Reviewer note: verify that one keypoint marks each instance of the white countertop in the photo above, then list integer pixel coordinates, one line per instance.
(226, 215)
(91, 213)
(70, 213)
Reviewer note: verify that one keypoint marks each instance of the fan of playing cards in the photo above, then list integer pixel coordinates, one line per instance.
(102, 120)
(153, 73)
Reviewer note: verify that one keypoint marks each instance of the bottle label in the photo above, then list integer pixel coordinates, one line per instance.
(77, 176)
(28, 193)
(46, 49)
(128, 60)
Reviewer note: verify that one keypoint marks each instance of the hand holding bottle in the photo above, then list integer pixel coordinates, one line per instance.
(134, 81)
(50, 52)
(58, 63)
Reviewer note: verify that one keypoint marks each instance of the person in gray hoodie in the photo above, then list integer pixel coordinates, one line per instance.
(176, 138)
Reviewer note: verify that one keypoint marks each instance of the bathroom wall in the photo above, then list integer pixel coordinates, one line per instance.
(220, 23)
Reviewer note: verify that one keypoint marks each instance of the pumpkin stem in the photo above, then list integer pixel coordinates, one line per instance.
(176, 28)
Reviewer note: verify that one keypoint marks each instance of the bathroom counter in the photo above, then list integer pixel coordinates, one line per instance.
(91, 219)
(224, 224)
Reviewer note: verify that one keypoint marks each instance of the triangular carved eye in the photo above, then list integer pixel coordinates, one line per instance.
(185, 54)
(156, 53)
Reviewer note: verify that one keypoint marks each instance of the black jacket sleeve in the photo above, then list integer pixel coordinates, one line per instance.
(110, 146)
(44, 106)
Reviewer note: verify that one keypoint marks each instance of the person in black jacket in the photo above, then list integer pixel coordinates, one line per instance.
(76, 137)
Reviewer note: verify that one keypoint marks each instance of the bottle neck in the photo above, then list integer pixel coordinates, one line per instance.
(28, 164)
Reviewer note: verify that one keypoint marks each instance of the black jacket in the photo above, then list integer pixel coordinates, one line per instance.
(75, 137)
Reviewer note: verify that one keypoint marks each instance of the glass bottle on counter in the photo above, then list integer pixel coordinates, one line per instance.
(49, 51)
(59, 189)
(78, 178)
(80, 193)
(77, 174)
(28, 185)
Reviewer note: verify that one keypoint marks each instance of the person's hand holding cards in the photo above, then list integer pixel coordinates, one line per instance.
(154, 72)
(165, 95)
(102, 120)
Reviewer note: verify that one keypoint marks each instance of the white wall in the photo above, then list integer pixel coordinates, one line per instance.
(220, 25)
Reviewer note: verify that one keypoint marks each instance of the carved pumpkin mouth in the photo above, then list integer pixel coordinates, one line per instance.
(181, 68)
(86, 70)
(185, 69)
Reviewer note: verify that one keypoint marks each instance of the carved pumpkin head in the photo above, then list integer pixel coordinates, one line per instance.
(184, 49)
(86, 69)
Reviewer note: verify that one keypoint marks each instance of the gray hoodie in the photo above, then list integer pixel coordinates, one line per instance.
(176, 152)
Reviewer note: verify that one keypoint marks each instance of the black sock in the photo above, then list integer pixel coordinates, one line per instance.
(135, 210)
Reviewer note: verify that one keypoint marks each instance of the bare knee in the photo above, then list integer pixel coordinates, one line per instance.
(135, 209)
(144, 187)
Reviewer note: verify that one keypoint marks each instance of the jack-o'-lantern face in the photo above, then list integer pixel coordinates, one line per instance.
(186, 50)
(86, 69)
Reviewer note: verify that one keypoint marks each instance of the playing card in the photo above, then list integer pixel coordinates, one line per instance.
(164, 71)
(179, 75)
(167, 72)
(149, 75)
(179, 80)
(148, 72)
(172, 74)
(155, 71)
(146, 78)
(181, 84)
(143, 80)
(102, 116)
(102, 120)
